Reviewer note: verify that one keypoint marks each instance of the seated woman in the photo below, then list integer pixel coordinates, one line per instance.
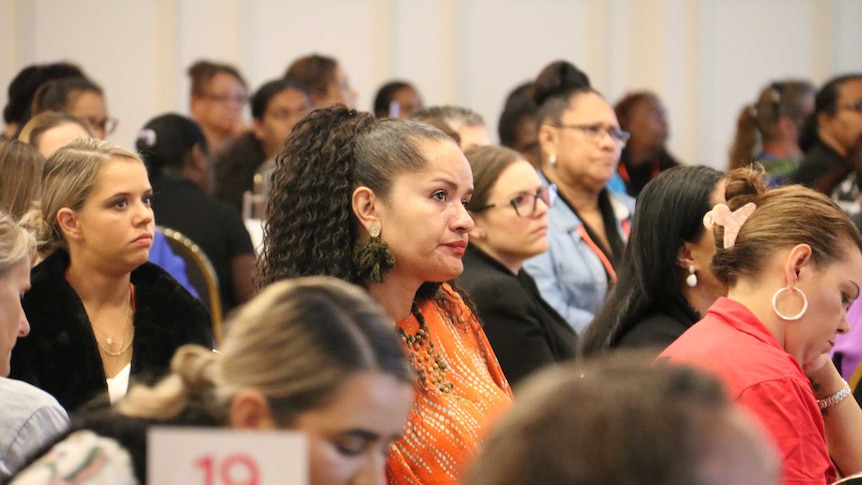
(325, 78)
(51, 130)
(397, 99)
(665, 281)
(510, 212)
(580, 143)
(619, 420)
(218, 95)
(645, 156)
(175, 151)
(382, 203)
(20, 177)
(768, 130)
(77, 96)
(792, 263)
(99, 313)
(346, 384)
(29, 417)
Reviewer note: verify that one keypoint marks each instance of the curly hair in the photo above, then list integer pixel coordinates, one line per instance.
(311, 228)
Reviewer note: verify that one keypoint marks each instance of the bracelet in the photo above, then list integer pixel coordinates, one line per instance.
(835, 398)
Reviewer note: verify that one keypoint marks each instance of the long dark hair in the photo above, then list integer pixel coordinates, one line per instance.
(669, 212)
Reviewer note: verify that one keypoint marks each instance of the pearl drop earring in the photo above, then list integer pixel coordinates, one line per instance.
(691, 280)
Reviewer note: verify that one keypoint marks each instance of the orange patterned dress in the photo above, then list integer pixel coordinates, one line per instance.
(460, 387)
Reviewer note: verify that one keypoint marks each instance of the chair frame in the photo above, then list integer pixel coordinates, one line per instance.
(195, 253)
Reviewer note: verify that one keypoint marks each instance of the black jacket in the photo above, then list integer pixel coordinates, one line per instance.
(659, 329)
(524, 331)
(235, 168)
(61, 355)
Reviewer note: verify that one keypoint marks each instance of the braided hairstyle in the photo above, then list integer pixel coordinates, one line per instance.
(311, 228)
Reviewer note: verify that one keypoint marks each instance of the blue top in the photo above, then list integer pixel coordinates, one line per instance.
(570, 275)
(29, 419)
(162, 256)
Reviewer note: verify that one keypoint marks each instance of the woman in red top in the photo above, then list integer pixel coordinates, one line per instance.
(793, 264)
(381, 203)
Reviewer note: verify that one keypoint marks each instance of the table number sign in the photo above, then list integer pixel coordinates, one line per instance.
(203, 456)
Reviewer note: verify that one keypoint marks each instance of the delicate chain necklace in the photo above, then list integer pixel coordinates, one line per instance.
(426, 362)
(109, 339)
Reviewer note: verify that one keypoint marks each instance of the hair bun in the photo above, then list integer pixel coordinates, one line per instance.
(745, 185)
(193, 364)
(557, 79)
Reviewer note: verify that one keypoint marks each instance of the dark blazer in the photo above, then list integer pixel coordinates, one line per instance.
(660, 328)
(61, 355)
(524, 331)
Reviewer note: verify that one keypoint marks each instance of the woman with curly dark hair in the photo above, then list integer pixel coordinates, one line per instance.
(381, 203)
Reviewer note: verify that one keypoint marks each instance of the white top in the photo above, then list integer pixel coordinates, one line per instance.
(119, 384)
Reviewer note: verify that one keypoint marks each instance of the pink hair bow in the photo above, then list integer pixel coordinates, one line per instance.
(731, 221)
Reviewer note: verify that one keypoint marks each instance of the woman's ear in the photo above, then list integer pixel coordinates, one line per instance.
(68, 221)
(547, 137)
(365, 206)
(684, 257)
(249, 409)
(478, 232)
(798, 258)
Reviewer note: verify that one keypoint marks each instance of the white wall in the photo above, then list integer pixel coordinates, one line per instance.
(706, 58)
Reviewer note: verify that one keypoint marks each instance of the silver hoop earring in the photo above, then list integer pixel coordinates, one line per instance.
(691, 280)
(783, 316)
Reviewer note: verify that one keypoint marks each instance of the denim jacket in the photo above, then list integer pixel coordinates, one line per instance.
(570, 275)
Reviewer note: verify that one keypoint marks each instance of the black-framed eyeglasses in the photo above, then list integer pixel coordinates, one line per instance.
(525, 204)
(857, 106)
(595, 132)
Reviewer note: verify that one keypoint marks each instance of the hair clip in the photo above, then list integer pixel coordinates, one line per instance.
(731, 221)
(775, 95)
(148, 136)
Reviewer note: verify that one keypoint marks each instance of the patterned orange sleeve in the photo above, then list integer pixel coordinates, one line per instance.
(460, 388)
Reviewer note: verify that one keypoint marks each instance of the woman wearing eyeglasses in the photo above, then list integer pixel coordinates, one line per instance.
(510, 213)
(580, 142)
(218, 95)
(79, 97)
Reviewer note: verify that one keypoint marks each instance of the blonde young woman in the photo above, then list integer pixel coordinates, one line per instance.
(315, 355)
(100, 315)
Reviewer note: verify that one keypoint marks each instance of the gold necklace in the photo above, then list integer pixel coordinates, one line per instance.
(430, 366)
(130, 309)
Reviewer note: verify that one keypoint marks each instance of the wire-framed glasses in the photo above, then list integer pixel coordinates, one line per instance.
(595, 132)
(525, 204)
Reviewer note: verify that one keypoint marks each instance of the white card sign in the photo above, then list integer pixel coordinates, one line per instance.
(215, 456)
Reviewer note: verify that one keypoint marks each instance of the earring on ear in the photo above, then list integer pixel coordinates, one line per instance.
(552, 159)
(372, 258)
(691, 280)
